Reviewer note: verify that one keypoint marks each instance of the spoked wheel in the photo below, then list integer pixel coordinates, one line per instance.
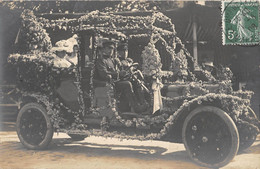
(247, 135)
(210, 137)
(34, 127)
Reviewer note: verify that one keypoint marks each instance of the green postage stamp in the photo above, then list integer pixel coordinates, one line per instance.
(240, 21)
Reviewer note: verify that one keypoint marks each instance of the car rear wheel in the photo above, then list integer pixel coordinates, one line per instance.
(34, 127)
(210, 137)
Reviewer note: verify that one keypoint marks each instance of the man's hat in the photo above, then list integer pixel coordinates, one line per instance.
(210, 64)
(122, 47)
(108, 43)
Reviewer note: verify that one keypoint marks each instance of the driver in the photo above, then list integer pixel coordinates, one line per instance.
(123, 56)
(106, 70)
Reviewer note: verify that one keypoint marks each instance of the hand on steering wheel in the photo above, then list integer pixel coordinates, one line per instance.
(133, 65)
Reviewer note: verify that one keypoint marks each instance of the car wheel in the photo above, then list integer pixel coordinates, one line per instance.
(210, 137)
(34, 127)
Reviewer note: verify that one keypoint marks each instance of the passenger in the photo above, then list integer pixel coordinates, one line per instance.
(73, 57)
(61, 54)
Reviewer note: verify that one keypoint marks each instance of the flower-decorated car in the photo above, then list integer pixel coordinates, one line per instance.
(210, 119)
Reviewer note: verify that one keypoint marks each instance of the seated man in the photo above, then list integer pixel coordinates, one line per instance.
(106, 70)
(126, 62)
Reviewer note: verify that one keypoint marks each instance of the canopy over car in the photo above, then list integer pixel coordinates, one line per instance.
(143, 31)
(129, 23)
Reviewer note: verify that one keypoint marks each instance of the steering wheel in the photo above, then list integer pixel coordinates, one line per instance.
(133, 65)
(129, 71)
(133, 74)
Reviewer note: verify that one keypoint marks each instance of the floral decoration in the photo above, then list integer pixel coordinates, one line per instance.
(151, 61)
(233, 105)
(156, 27)
(32, 34)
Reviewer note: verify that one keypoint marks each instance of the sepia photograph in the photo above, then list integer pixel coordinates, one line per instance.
(129, 84)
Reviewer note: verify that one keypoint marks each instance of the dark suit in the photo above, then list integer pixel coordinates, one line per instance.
(105, 68)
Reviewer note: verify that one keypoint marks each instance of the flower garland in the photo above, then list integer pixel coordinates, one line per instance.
(224, 73)
(234, 105)
(180, 65)
(45, 81)
(157, 22)
(225, 87)
(151, 61)
(41, 63)
(179, 62)
(59, 24)
(53, 110)
(152, 65)
(161, 18)
(121, 22)
(33, 36)
(243, 94)
(140, 122)
(171, 107)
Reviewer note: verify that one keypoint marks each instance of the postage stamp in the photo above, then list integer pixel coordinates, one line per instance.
(240, 21)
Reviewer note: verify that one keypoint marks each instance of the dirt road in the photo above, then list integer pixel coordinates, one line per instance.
(99, 153)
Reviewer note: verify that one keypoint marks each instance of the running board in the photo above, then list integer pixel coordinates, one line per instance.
(112, 134)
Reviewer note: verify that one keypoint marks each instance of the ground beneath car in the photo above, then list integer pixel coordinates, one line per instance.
(108, 153)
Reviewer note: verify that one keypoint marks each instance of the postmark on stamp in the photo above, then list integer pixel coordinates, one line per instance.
(240, 21)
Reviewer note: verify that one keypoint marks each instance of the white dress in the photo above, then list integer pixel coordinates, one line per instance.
(61, 62)
(72, 59)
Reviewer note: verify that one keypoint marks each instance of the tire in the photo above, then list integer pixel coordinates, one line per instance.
(247, 137)
(76, 137)
(34, 127)
(210, 137)
(252, 113)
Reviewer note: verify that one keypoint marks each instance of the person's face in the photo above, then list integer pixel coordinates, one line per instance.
(75, 49)
(61, 54)
(123, 54)
(208, 68)
(108, 51)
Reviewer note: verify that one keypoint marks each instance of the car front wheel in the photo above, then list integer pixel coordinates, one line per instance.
(210, 137)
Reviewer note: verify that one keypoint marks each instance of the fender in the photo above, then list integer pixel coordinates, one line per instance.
(42, 99)
(56, 117)
(232, 105)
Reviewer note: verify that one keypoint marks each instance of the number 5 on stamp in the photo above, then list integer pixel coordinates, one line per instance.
(240, 21)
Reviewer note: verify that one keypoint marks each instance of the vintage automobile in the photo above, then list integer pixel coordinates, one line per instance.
(212, 121)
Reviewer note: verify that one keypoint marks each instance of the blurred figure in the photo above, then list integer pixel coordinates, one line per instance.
(73, 57)
(208, 67)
